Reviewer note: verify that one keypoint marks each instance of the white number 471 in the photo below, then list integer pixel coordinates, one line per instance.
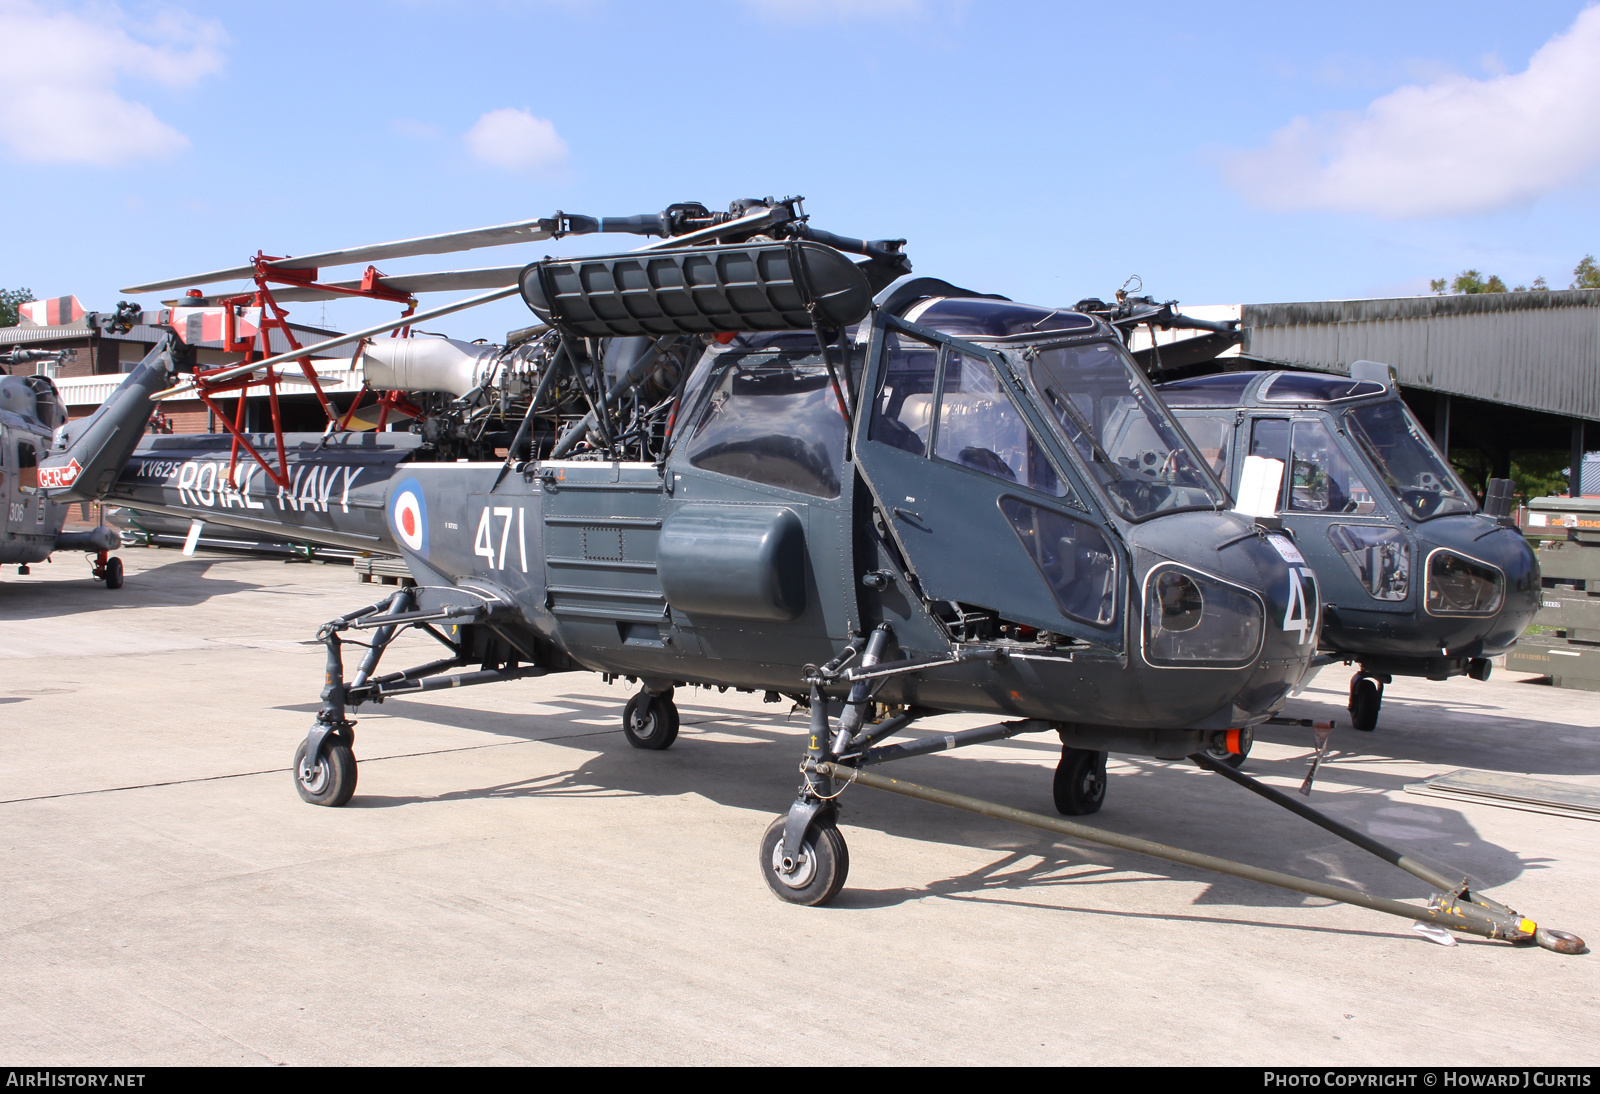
(483, 544)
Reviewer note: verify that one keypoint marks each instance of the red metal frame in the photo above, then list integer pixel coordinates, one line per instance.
(275, 317)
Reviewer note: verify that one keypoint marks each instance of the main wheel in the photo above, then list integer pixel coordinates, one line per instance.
(113, 576)
(1220, 753)
(819, 870)
(1080, 784)
(650, 721)
(333, 779)
(1366, 696)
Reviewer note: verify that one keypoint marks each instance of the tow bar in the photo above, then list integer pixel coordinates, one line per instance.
(1453, 905)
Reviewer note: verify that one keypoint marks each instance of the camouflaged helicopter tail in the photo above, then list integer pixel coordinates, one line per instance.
(89, 453)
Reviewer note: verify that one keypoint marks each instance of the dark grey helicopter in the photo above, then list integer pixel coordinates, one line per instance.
(763, 465)
(900, 504)
(1417, 580)
(47, 464)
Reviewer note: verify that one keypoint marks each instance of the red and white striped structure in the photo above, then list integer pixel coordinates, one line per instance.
(55, 311)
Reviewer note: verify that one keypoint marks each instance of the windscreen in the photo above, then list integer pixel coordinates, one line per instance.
(1411, 467)
(1120, 429)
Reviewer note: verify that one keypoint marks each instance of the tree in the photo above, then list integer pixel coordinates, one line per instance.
(1438, 285)
(1536, 474)
(1472, 282)
(9, 300)
(1586, 275)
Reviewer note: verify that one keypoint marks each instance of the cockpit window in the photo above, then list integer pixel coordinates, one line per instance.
(939, 401)
(1321, 479)
(1212, 434)
(27, 468)
(771, 416)
(1123, 432)
(1411, 467)
(1302, 387)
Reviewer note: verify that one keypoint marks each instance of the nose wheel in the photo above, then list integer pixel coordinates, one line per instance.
(650, 721)
(1232, 747)
(1366, 696)
(1080, 783)
(816, 873)
(331, 780)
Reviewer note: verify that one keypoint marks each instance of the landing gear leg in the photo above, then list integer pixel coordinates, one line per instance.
(108, 568)
(325, 763)
(1366, 696)
(1080, 783)
(804, 858)
(650, 721)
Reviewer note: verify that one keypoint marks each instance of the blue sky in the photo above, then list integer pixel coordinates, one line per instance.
(1224, 152)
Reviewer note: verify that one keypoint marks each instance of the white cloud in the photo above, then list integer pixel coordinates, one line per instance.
(1452, 147)
(516, 140)
(59, 96)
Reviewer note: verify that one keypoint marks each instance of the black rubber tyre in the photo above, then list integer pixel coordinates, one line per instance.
(113, 573)
(824, 864)
(333, 780)
(650, 721)
(1080, 783)
(1479, 668)
(1366, 696)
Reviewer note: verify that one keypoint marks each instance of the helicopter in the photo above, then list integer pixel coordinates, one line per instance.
(42, 459)
(1418, 579)
(747, 460)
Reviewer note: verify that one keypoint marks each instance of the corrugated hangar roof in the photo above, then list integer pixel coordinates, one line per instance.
(12, 336)
(1537, 350)
(24, 335)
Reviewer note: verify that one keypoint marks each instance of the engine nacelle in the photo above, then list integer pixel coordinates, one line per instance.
(428, 364)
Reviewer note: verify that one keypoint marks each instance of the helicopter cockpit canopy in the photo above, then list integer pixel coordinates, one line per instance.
(1093, 391)
(1100, 399)
(1323, 479)
(981, 318)
(764, 409)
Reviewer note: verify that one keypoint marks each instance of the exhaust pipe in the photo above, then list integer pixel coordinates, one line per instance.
(428, 364)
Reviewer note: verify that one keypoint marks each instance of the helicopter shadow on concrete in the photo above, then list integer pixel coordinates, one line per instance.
(1449, 733)
(177, 584)
(1173, 803)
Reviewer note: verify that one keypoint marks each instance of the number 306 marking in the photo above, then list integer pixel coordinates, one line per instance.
(483, 544)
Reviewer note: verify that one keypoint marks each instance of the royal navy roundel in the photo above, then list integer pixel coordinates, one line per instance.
(409, 516)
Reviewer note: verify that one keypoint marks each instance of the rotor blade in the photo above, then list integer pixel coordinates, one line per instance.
(490, 277)
(522, 231)
(341, 340)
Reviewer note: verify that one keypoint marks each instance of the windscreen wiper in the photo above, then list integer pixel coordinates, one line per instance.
(1083, 427)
